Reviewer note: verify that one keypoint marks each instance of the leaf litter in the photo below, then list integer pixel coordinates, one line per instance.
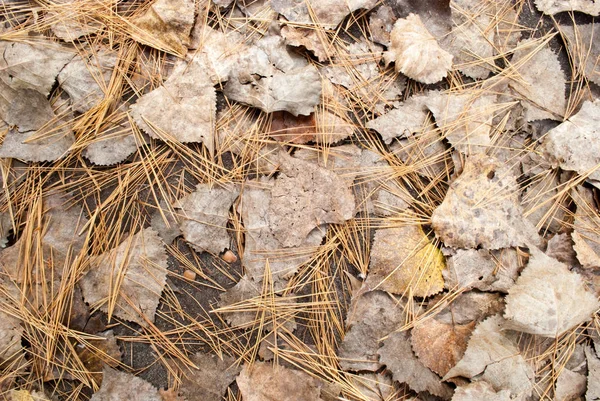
(299, 200)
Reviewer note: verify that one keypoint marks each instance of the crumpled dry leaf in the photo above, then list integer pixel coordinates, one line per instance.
(416, 52)
(166, 23)
(325, 14)
(403, 121)
(480, 391)
(575, 144)
(569, 385)
(271, 77)
(124, 386)
(586, 237)
(86, 80)
(135, 273)
(204, 215)
(32, 65)
(482, 208)
(541, 81)
(493, 352)
(583, 46)
(263, 381)
(482, 269)
(551, 7)
(593, 377)
(548, 299)
(210, 381)
(311, 39)
(397, 355)
(464, 118)
(439, 346)
(372, 316)
(182, 109)
(560, 247)
(403, 261)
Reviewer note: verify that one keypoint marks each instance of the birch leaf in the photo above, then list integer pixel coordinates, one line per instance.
(124, 386)
(494, 353)
(327, 14)
(263, 381)
(482, 208)
(135, 273)
(272, 78)
(584, 47)
(402, 260)
(204, 217)
(210, 381)
(183, 109)
(548, 299)
(575, 144)
(551, 7)
(541, 82)
(399, 358)
(416, 52)
(480, 391)
(166, 24)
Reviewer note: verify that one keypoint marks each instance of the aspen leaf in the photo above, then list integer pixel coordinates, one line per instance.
(582, 41)
(327, 14)
(480, 391)
(551, 7)
(402, 121)
(124, 386)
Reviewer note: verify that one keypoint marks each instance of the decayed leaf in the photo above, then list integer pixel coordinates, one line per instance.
(416, 52)
(482, 208)
(575, 144)
(480, 391)
(272, 78)
(372, 316)
(32, 66)
(396, 354)
(124, 386)
(548, 299)
(10, 327)
(381, 23)
(311, 39)
(593, 378)
(464, 118)
(183, 109)
(372, 386)
(26, 146)
(586, 235)
(210, 381)
(402, 121)
(326, 14)
(166, 223)
(551, 7)
(403, 261)
(167, 23)
(439, 346)
(217, 51)
(540, 82)
(584, 47)
(482, 269)
(86, 80)
(493, 352)
(470, 306)
(569, 385)
(263, 381)
(204, 216)
(560, 247)
(131, 277)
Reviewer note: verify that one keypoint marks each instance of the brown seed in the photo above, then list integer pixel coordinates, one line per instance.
(229, 257)
(190, 275)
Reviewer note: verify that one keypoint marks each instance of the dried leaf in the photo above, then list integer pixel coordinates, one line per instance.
(27, 147)
(372, 316)
(404, 261)
(311, 39)
(124, 386)
(325, 14)
(416, 52)
(32, 66)
(381, 23)
(593, 377)
(541, 82)
(482, 269)
(439, 346)
(167, 23)
(545, 201)
(183, 109)
(586, 235)
(11, 330)
(130, 276)
(575, 144)
(210, 381)
(480, 391)
(584, 47)
(399, 358)
(26, 395)
(115, 143)
(569, 385)
(373, 386)
(560, 247)
(86, 80)
(402, 121)
(263, 381)
(70, 26)
(548, 299)
(550, 7)
(217, 51)
(204, 217)
(269, 76)
(470, 306)
(494, 353)
(482, 208)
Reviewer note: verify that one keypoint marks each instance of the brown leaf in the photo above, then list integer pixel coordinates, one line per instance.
(124, 386)
(210, 381)
(327, 14)
(584, 47)
(439, 346)
(480, 391)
